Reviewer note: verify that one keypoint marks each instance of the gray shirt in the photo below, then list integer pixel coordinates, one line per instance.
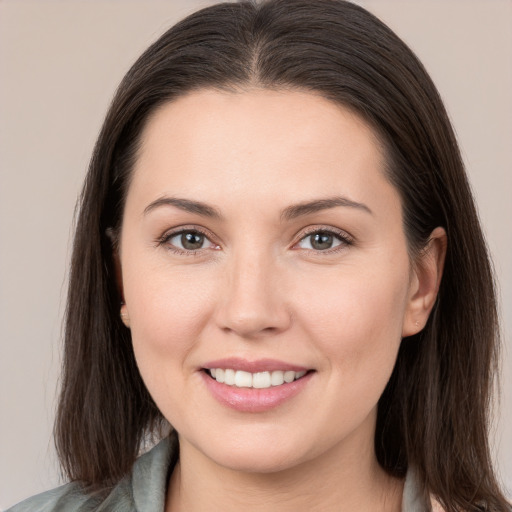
(144, 489)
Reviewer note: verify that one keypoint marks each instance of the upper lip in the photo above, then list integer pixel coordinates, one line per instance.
(260, 365)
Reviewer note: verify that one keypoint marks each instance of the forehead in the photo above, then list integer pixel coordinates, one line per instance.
(268, 143)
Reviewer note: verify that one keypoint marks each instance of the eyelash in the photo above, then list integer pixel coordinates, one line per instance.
(345, 239)
(164, 240)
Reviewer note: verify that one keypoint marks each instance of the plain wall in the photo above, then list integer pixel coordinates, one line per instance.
(60, 63)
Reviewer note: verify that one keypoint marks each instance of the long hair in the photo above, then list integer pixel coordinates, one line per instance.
(434, 412)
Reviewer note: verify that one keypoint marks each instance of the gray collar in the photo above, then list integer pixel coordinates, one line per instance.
(413, 499)
(151, 472)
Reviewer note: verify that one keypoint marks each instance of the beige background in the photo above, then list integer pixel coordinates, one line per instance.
(59, 65)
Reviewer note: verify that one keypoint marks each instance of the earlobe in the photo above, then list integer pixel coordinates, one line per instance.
(125, 317)
(424, 286)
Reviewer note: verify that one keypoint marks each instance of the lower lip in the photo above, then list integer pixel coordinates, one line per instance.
(251, 399)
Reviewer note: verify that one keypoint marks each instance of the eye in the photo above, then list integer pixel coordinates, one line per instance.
(187, 240)
(323, 240)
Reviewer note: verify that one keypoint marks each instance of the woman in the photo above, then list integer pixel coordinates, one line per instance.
(277, 253)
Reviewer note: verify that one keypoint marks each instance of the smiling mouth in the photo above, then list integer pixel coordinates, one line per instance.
(258, 380)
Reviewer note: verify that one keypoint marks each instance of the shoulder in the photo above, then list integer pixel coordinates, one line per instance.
(143, 489)
(69, 497)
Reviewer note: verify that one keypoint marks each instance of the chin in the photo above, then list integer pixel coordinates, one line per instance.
(248, 453)
(262, 461)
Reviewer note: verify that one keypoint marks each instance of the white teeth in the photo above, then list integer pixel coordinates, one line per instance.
(277, 378)
(229, 377)
(289, 376)
(243, 379)
(219, 375)
(259, 380)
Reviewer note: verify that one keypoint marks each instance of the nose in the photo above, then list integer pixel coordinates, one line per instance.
(253, 301)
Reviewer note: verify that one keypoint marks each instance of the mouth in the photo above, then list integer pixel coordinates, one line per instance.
(257, 380)
(255, 386)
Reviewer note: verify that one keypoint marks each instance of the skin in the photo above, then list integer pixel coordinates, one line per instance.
(258, 289)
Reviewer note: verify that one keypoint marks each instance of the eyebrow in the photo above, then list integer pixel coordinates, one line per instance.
(309, 207)
(289, 213)
(186, 205)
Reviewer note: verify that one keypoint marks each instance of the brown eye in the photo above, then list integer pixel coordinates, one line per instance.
(191, 240)
(188, 241)
(322, 241)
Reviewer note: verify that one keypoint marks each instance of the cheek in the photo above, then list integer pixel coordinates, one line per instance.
(357, 320)
(356, 328)
(168, 311)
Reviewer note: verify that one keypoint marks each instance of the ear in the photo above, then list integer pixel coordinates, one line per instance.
(125, 317)
(116, 259)
(425, 281)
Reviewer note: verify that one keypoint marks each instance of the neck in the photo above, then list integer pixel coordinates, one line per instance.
(340, 480)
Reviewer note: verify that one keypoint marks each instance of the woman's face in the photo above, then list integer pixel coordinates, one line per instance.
(260, 236)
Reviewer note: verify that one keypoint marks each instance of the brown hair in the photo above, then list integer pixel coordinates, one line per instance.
(434, 412)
